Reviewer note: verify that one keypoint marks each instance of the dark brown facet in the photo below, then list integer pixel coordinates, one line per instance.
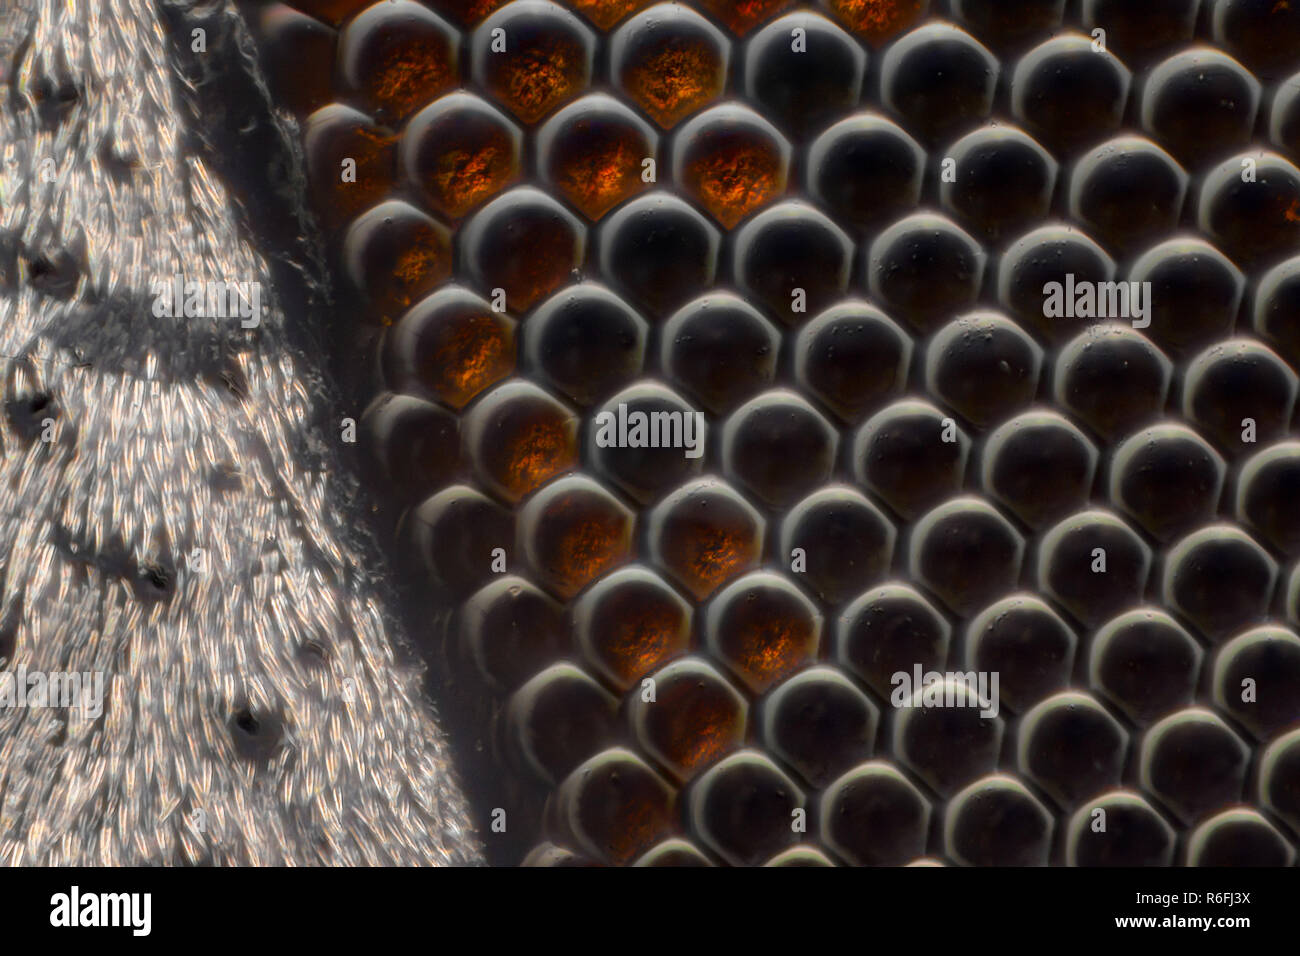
(394, 254)
(350, 162)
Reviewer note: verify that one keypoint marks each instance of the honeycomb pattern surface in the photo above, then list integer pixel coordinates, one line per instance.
(709, 373)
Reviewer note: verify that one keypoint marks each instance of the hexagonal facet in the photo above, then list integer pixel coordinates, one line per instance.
(1257, 680)
(1094, 564)
(1200, 103)
(337, 139)
(966, 552)
(853, 358)
(703, 534)
(762, 628)
(1039, 465)
(743, 808)
(1239, 837)
(1219, 579)
(911, 455)
(455, 535)
(1193, 762)
(524, 243)
(1119, 829)
(940, 79)
(875, 816)
(1266, 488)
(866, 169)
(647, 439)
(947, 730)
(449, 347)
(1041, 276)
(518, 438)
(595, 152)
(732, 161)
(924, 268)
(1066, 94)
(288, 41)
(793, 260)
(819, 723)
(1027, 644)
(890, 629)
(720, 349)
(572, 532)
(1072, 747)
(1145, 663)
(688, 717)
(559, 718)
(1112, 378)
(1195, 293)
(983, 366)
(457, 152)
(838, 542)
(670, 61)
(614, 806)
(586, 341)
(997, 822)
(405, 441)
(1167, 478)
(659, 251)
(1239, 393)
(393, 255)
(628, 623)
(532, 56)
(1251, 218)
(397, 56)
(804, 71)
(985, 165)
(510, 630)
(1104, 180)
(778, 447)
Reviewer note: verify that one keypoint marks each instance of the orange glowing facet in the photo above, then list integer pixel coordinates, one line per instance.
(463, 178)
(698, 728)
(674, 80)
(466, 12)
(476, 351)
(606, 13)
(582, 540)
(772, 649)
(418, 267)
(878, 20)
(706, 556)
(741, 16)
(536, 79)
(736, 177)
(640, 638)
(600, 176)
(536, 453)
(409, 76)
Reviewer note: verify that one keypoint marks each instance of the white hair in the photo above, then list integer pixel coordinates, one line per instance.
(159, 520)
